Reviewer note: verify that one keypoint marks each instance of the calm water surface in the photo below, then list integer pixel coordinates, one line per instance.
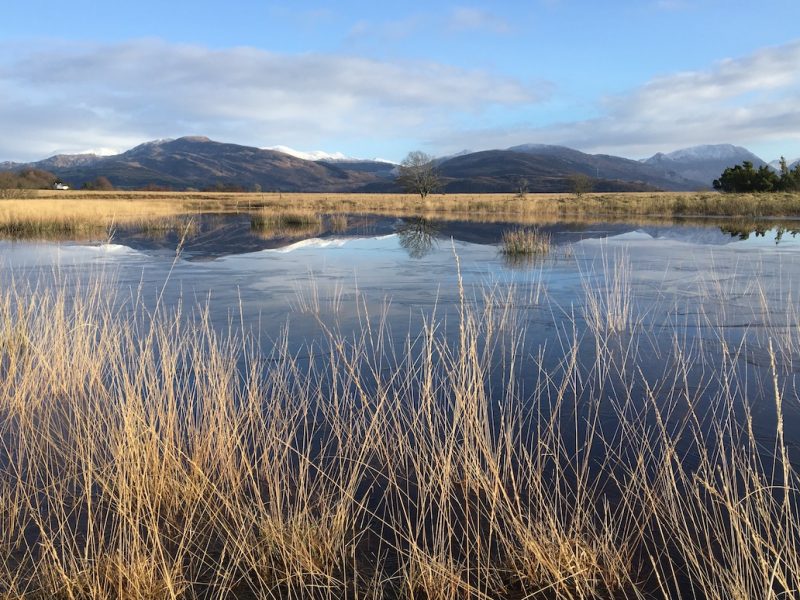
(709, 289)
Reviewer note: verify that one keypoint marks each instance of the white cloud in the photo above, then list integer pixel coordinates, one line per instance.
(474, 19)
(397, 30)
(749, 101)
(69, 97)
(74, 96)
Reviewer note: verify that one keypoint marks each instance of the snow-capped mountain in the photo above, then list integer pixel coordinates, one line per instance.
(321, 155)
(775, 165)
(63, 161)
(703, 163)
(709, 152)
(314, 155)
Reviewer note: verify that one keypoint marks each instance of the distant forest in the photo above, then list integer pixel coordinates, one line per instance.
(745, 178)
(19, 184)
(27, 179)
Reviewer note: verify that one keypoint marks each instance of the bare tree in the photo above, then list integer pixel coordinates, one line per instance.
(418, 174)
(521, 185)
(580, 184)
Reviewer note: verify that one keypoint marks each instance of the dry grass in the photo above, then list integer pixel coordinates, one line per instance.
(151, 456)
(526, 242)
(662, 204)
(85, 215)
(293, 223)
(608, 308)
(83, 219)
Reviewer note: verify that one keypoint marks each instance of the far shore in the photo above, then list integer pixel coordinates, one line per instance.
(133, 205)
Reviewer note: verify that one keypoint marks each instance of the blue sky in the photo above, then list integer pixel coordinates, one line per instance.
(377, 80)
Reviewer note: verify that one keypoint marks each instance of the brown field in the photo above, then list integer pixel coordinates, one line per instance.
(607, 204)
(91, 215)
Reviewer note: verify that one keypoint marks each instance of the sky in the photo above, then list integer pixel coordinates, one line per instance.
(374, 79)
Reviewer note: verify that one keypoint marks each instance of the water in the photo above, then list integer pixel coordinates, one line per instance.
(710, 285)
(408, 267)
(657, 317)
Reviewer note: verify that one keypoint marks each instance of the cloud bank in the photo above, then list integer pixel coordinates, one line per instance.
(750, 100)
(76, 96)
(69, 97)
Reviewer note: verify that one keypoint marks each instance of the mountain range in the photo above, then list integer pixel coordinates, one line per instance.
(199, 163)
(702, 163)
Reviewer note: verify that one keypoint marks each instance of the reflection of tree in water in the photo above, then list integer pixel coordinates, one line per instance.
(744, 231)
(417, 235)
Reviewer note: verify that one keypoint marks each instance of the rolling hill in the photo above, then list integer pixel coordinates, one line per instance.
(197, 162)
(200, 163)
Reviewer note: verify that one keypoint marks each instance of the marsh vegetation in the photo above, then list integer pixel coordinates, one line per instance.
(271, 224)
(517, 437)
(597, 205)
(525, 241)
(160, 457)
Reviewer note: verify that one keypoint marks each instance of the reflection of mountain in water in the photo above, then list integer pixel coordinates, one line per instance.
(216, 235)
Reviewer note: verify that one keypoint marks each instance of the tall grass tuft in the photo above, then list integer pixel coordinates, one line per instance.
(609, 302)
(146, 454)
(285, 224)
(525, 241)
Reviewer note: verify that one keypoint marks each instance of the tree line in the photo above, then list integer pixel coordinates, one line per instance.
(746, 178)
(15, 184)
(27, 179)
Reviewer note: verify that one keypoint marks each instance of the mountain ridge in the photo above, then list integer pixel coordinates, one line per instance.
(197, 162)
(703, 163)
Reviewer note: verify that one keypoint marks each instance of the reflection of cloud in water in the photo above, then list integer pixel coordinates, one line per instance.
(37, 254)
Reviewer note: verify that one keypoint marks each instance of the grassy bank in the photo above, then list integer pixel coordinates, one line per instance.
(154, 457)
(96, 215)
(88, 218)
(663, 204)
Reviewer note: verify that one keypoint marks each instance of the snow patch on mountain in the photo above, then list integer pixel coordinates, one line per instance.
(313, 155)
(98, 152)
(706, 152)
(321, 155)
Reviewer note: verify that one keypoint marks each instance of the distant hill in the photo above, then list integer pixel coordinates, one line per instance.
(607, 167)
(384, 170)
(197, 162)
(546, 169)
(703, 164)
(200, 163)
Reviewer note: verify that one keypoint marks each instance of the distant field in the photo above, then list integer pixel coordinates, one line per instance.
(127, 205)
